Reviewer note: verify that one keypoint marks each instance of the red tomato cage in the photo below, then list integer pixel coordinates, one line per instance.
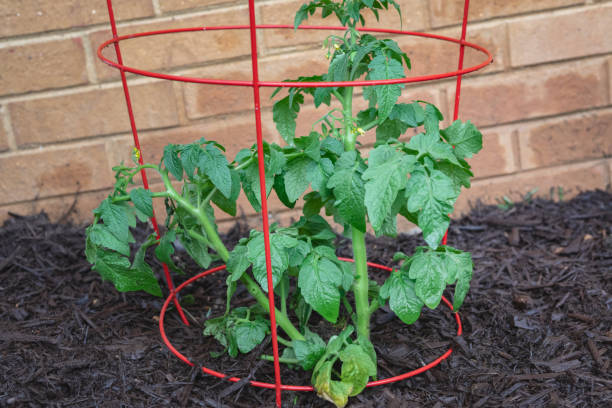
(256, 84)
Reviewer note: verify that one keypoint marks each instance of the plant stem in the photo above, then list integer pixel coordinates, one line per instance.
(283, 360)
(360, 284)
(128, 198)
(215, 241)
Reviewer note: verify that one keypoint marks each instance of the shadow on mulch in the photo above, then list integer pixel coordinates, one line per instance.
(537, 321)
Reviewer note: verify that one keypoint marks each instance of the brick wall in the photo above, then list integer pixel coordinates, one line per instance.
(544, 105)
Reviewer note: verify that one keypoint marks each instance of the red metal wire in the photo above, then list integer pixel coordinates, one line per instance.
(264, 200)
(286, 387)
(466, 8)
(143, 173)
(294, 84)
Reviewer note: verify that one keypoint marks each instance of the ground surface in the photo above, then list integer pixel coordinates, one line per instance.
(538, 323)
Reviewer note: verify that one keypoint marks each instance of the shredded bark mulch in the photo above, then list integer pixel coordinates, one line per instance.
(537, 323)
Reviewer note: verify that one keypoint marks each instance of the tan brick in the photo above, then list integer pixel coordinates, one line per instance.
(496, 156)
(59, 208)
(31, 16)
(447, 12)
(534, 92)
(204, 100)
(92, 113)
(176, 50)
(559, 37)
(35, 67)
(50, 172)
(175, 5)
(414, 18)
(572, 178)
(430, 56)
(565, 140)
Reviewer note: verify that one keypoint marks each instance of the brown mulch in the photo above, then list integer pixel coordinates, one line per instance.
(537, 321)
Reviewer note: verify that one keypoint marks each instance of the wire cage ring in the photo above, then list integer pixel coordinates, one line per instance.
(286, 387)
(230, 82)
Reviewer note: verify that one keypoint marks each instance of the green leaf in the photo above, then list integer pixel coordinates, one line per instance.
(357, 367)
(142, 200)
(214, 164)
(318, 280)
(322, 95)
(399, 289)
(190, 156)
(332, 145)
(249, 334)
(460, 175)
(382, 67)
(310, 145)
(389, 129)
(296, 180)
(172, 161)
(115, 218)
(216, 327)
(385, 177)
(278, 256)
(228, 204)
(433, 116)
(349, 189)
(164, 250)
(198, 251)
(431, 198)
(238, 262)
(101, 235)
(426, 144)
(141, 273)
(309, 351)
(459, 266)
(362, 51)
(338, 68)
(427, 269)
(411, 115)
(301, 15)
(298, 253)
(281, 193)
(319, 172)
(284, 116)
(465, 137)
(116, 268)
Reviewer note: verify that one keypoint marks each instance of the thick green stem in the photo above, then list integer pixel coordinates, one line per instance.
(360, 284)
(215, 241)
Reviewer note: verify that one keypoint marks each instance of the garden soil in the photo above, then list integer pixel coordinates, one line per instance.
(537, 322)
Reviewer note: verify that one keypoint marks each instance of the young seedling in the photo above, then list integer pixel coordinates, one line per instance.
(418, 178)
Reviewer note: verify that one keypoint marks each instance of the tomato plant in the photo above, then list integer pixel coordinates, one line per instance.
(419, 179)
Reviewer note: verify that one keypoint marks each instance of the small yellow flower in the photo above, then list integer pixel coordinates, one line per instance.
(136, 153)
(336, 46)
(360, 131)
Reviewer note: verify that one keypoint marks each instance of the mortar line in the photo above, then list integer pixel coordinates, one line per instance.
(516, 149)
(89, 60)
(8, 129)
(156, 8)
